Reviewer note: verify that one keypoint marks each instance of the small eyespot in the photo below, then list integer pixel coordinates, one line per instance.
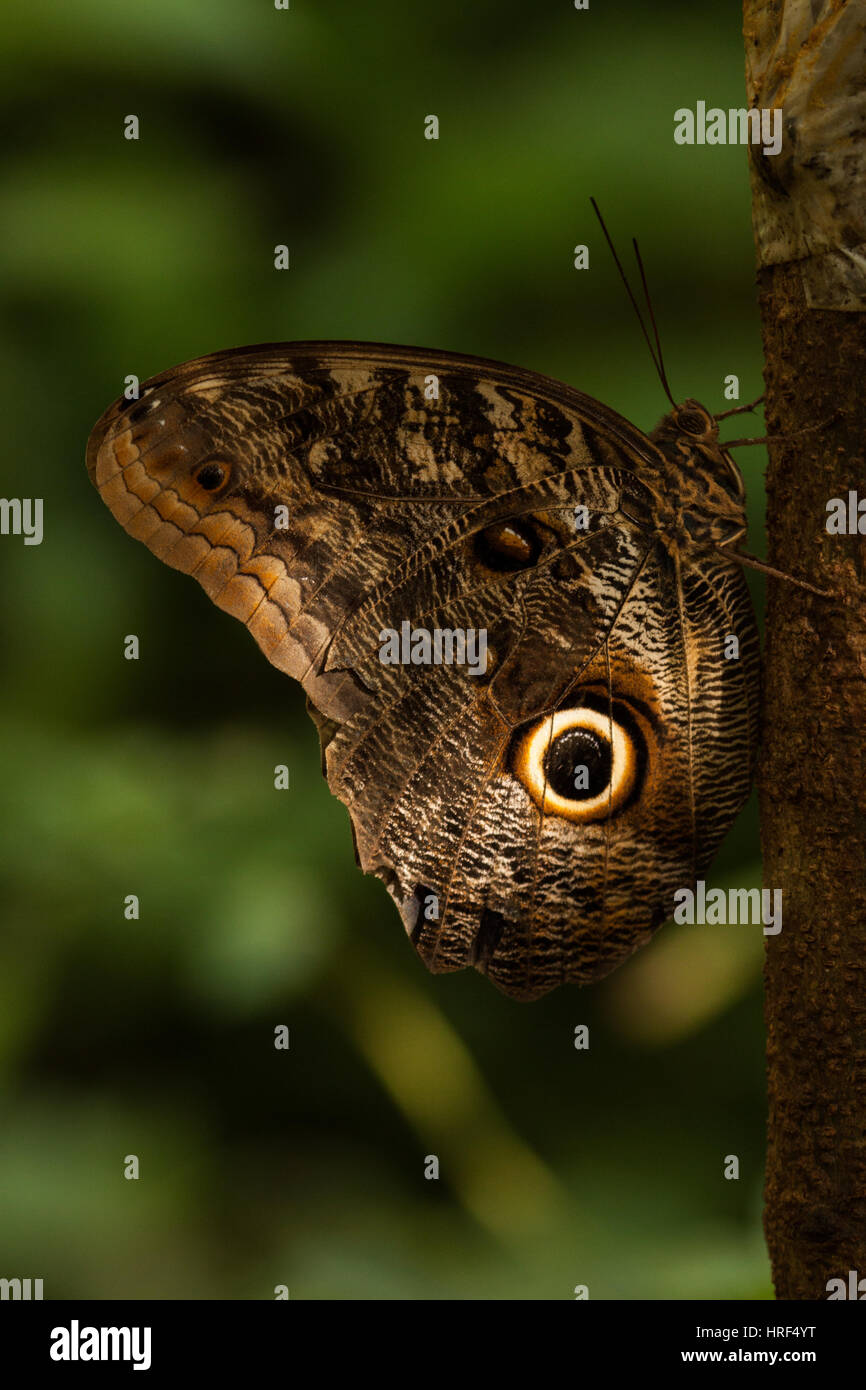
(213, 475)
(582, 764)
(509, 545)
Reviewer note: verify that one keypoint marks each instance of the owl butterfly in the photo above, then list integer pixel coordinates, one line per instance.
(532, 814)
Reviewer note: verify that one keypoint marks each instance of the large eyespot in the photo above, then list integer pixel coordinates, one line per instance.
(213, 475)
(583, 763)
(508, 545)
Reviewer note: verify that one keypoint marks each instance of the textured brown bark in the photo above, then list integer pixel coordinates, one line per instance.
(812, 777)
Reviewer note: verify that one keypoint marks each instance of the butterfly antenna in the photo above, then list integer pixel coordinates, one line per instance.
(660, 363)
(622, 275)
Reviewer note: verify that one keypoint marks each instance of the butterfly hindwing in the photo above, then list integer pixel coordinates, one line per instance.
(329, 495)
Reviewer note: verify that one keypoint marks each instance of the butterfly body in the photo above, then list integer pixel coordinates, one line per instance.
(352, 501)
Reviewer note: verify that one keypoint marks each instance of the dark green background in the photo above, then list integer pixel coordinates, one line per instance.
(155, 777)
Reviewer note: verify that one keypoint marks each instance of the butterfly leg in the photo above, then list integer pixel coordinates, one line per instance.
(753, 563)
(782, 438)
(739, 409)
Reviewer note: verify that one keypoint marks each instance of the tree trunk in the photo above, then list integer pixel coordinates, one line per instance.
(809, 216)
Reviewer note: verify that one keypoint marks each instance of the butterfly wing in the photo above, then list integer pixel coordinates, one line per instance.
(338, 498)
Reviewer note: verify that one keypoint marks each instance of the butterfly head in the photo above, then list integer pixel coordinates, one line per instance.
(703, 491)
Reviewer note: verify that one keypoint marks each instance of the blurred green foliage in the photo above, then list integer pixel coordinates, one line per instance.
(155, 1037)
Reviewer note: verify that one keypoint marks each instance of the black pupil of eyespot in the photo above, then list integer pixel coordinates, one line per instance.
(574, 750)
(210, 476)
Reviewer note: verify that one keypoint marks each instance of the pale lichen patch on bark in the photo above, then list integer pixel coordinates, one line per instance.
(808, 57)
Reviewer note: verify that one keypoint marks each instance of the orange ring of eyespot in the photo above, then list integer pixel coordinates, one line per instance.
(533, 747)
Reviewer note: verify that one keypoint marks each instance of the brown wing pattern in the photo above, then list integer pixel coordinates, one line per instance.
(326, 494)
